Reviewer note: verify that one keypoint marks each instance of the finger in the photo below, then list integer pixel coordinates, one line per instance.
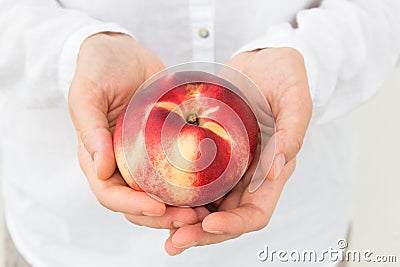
(254, 211)
(114, 193)
(88, 108)
(192, 236)
(169, 247)
(253, 214)
(174, 217)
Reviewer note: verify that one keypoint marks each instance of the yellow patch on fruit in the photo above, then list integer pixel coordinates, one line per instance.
(170, 107)
(181, 178)
(217, 129)
(188, 146)
(174, 175)
(193, 89)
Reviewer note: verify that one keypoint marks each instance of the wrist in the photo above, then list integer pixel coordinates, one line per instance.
(109, 36)
(70, 50)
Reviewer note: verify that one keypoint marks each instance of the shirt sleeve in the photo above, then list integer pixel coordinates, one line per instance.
(39, 44)
(349, 47)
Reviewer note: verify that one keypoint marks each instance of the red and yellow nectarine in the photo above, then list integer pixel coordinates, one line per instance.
(187, 138)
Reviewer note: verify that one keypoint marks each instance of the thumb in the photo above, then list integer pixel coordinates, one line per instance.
(88, 108)
(293, 116)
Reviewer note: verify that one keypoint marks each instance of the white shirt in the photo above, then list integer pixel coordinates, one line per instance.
(54, 218)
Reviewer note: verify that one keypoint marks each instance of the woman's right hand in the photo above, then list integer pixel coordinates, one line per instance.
(110, 68)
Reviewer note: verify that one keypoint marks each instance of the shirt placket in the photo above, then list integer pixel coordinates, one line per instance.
(202, 27)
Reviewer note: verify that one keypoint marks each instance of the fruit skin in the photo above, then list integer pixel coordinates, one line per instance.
(181, 163)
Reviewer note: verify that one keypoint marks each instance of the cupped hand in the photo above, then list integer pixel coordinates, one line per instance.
(281, 76)
(110, 68)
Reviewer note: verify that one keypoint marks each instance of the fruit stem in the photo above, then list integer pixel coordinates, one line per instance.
(192, 119)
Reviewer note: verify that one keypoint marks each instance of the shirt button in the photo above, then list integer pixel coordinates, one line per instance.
(203, 33)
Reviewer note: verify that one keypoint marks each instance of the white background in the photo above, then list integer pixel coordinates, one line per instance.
(376, 215)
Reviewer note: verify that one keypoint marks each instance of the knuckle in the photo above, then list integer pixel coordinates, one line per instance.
(103, 202)
(298, 142)
(83, 161)
(85, 137)
(294, 145)
(294, 162)
(263, 222)
(260, 217)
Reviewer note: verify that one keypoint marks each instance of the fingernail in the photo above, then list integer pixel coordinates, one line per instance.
(95, 161)
(177, 224)
(145, 213)
(191, 244)
(278, 166)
